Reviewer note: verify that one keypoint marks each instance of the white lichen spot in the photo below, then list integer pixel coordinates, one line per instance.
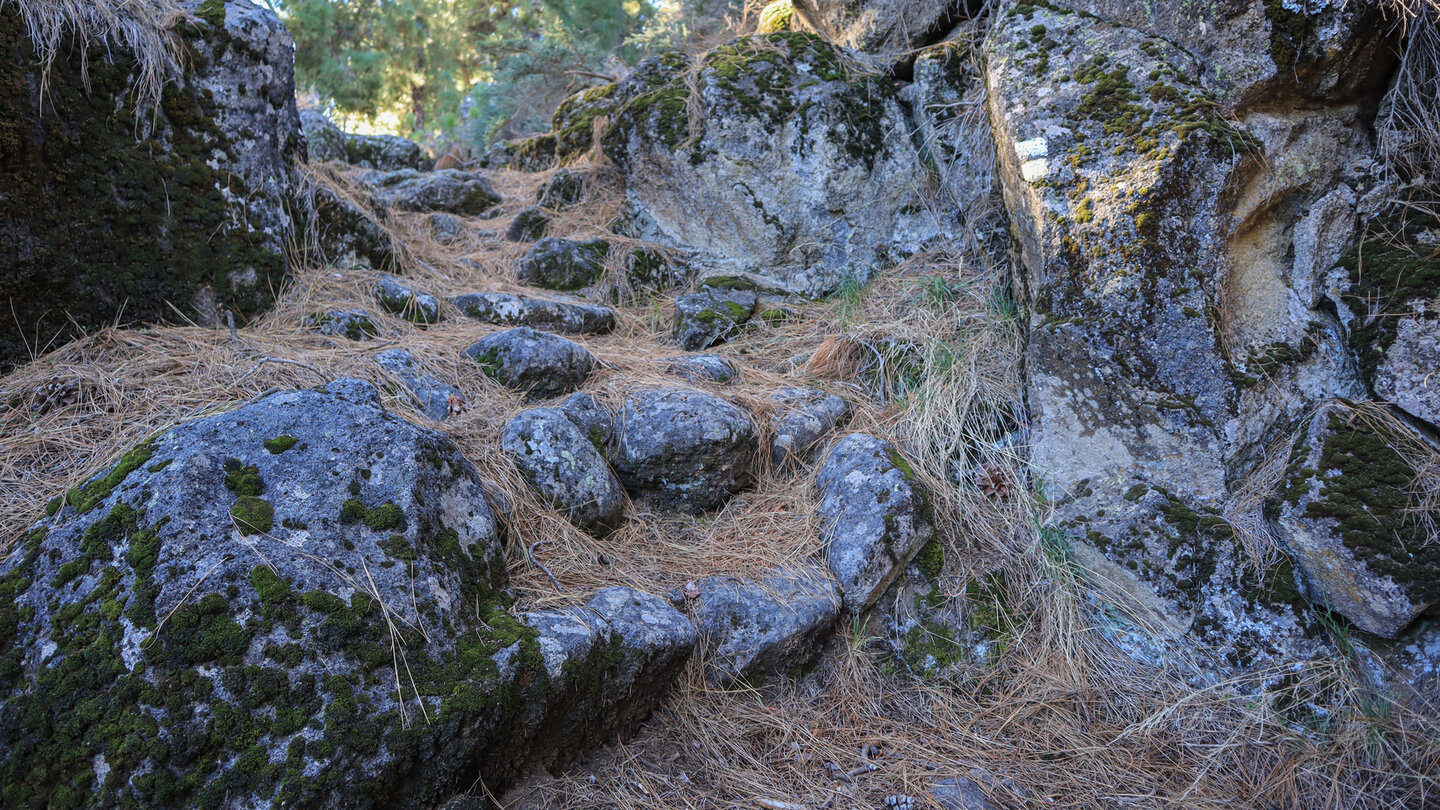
(1034, 170)
(1032, 149)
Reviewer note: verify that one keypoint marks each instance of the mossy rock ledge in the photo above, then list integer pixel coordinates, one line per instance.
(1348, 515)
(213, 623)
(108, 207)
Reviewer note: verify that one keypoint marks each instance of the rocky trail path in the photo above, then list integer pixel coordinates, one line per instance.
(1026, 405)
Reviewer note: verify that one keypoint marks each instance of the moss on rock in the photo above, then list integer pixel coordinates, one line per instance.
(72, 166)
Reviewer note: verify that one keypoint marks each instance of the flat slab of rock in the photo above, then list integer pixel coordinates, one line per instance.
(436, 398)
(711, 316)
(540, 364)
(563, 264)
(874, 517)
(755, 628)
(1347, 519)
(399, 296)
(352, 324)
(566, 468)
(703, 368)
(552, 314)
(807, 416)
(689, 450)
(450, 190)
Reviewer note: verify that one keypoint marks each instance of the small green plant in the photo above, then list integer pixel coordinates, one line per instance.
(847, 298)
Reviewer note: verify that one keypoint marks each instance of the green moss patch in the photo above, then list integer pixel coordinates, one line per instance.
(1394, 262)
(253, 515)
(86, 496)
(280, 444)
(1366, 487)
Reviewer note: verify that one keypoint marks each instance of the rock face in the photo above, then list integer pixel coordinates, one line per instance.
(450, 190)
(565, 467)
(1393, 307)
(1347, 515)
(539, 363)
(754, 629)
(224, 131)
(874, 517)
(383, 152)
(1178, 275)
(792, 172)
(688, 450)
(555, 314)
(563, 264)
(250, 587)
(807, 416)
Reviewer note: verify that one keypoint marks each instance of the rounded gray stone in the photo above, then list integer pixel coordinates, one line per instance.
(689, 450)
(562, 264)
(538, 363)
(561, 463)
(874, 517)
(758, 627)
(555, 314)
(807, 415)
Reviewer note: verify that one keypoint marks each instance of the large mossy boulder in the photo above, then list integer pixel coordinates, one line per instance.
(299, 603)
(109, 204)
(792, 169)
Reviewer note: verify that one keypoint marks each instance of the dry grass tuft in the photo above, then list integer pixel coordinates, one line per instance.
(145, 28)
(1409, 123)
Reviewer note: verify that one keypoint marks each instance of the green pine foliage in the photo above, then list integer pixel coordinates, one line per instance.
(417, 63)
